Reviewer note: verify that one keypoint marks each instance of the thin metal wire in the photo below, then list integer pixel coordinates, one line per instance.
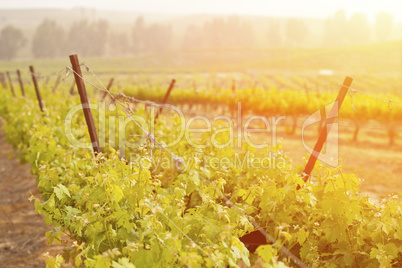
(236, 95)
(388, 101)
(352, 94)
(267, 95)
(49, 75)
(191, 240)
(180, 160)
(152, 138)
(96, 87)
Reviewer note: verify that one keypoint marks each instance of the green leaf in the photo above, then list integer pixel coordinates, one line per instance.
(72, 211)
(267, 253)
(123, 219)
(374, 253)
(117, 194)
(302, 236)
(102, 262)
(54, 235)
(123, 263)
(54, 262)
(61, 191)
(391, 249)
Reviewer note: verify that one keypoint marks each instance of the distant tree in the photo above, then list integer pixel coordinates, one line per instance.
(193, 37)
(150, 38)
(214, 33)
(157, 37)
(89, 39)
(99, 37)
(230, 32)
(358, 29)
(329, 36)
(383, 25)
(296, 31)
(336, 30)
(238, 32)
(119, 43)
(138, 35)
(274, 34)
(48, 40)
(11, 40)
(78, 38)
(340, 25)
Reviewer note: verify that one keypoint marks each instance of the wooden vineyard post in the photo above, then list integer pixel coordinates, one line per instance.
(257, 238)
(46, 81)
(20, 81)
(166, 97)
(3, 81)
(72, 88)
(333, 115)
(35, 82)
(85, 105)
(107, 88)
(10, 83)
(233, 86)
(56, 84)
(307, 92)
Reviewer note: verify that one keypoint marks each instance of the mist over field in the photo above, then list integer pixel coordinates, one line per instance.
(47, 33)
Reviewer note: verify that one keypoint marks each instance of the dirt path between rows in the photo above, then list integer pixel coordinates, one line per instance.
(22, 229)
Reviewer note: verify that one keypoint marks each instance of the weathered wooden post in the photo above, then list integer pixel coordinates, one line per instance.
(85, 105)
(20, 81)
(257, 238)
(107, 88)
(333, 116)
(35, 82)
(72, 88)
(166, 97)
(10, 83)
(3, 81)
(56, 84)
(307, 92)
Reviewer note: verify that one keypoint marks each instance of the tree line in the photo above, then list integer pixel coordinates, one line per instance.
(97, 38)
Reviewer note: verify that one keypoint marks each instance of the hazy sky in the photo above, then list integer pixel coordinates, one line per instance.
(305, 8)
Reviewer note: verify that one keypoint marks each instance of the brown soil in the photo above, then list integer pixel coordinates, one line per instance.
(22, 229)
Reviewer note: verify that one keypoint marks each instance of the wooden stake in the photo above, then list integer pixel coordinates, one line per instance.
(84, 102)
(307, 92)
(35, 82)
(56, 84)
(46, 82)
(20, 81)
(256, 238)
(166, 97)
(3, 81)
(333, 115)
(234, 86)
(72, 88)
(10, 83)
(107, 88)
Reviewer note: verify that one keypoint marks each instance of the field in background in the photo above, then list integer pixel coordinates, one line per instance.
(376, 69)
(381, 59)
